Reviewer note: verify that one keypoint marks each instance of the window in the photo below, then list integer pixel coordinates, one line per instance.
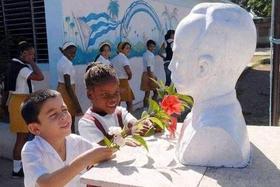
(25, 19)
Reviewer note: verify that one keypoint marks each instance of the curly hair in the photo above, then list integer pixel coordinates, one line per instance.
(98, 73)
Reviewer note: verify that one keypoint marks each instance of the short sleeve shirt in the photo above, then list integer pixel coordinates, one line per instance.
(65, 66)
(148, 61)
(39, 158)
(119, 62)
(21, 82)
(89, 131)
(103, 60)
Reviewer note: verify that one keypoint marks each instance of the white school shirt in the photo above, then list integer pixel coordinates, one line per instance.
(21, 82)
(103, 60)
(148, 61)
(89, 131)
(39, 158)
(65, 66)
(118, 63)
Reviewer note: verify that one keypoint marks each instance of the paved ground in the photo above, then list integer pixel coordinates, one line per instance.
(252, 91)
(5, 175)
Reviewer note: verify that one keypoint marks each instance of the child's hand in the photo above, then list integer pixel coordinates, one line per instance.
(101, 154)
(146, 125)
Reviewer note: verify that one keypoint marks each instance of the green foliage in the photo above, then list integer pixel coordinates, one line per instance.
(141, 141)
(156, 114)
(261, 8)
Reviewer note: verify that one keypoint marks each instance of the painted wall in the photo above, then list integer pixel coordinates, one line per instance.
(89, 22)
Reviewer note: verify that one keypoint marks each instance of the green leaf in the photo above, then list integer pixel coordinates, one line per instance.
(157, 122)
(153, 106)
(150, 132)
(107, 142)
(141, 141)
(144, 114)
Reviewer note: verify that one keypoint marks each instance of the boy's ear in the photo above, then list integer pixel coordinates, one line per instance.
(34, 128)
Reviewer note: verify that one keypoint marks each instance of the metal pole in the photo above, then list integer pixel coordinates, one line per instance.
(275, 75)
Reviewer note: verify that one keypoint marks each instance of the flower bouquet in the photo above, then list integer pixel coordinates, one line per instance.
(160, 115)
(164, 113)
(121, 137)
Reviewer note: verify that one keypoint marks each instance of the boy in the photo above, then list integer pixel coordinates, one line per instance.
(54, 157)
(103, 91)
(148, 73)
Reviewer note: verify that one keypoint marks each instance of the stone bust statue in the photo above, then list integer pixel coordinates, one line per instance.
(212, 46)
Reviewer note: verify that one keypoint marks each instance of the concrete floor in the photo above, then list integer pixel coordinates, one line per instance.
(6, 179)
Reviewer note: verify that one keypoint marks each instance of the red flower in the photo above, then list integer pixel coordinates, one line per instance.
(171, 104)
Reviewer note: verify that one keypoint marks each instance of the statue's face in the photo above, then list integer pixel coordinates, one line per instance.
(184, 64)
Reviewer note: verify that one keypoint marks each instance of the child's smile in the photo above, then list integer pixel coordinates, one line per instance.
(105, 97)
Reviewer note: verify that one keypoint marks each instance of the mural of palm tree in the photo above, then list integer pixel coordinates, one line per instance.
(113, 9)
(67, 20)
(72, 26)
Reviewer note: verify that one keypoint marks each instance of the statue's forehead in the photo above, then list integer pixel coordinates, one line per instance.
(189, 30)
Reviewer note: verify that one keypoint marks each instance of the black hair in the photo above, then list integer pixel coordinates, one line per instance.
(69, 47)
(150, 42)
(23, 46)
(122, 46)
(101, 49)
(98, 73)
(168, 34)
(31, 107)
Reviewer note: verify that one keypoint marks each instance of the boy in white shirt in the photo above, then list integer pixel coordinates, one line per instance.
(147, 84)
(103, 91)
(55, 157)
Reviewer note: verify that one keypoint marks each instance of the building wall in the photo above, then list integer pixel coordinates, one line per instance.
(89, 22)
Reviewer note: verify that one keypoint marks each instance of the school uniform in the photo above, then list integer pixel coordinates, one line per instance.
(39, 158)
(20, 87)
(125, 90)
(89, 129)
(65, 66)
(167, 60)
(148, 61)
(103, 60)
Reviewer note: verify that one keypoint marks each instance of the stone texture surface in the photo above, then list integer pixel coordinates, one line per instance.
(214, 133)
(136, 167)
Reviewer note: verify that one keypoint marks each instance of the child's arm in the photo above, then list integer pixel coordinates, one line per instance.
(162, 51)
(62, 176)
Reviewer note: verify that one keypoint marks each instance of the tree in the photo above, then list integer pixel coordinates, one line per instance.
(261, 8)
(113, 8)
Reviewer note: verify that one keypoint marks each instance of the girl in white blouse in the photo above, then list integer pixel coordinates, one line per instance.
(66, 80)
(105, 52)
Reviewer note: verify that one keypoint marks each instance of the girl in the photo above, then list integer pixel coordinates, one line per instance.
(105, 52)
(18, 82)
(122, 67)
(166, 48)
(66, 80)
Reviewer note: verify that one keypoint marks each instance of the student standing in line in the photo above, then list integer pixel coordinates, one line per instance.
(66, 80)
(55, 157)
(104, 53)
(147, 84)
(166, 48)
(122, 67)
(18, 83)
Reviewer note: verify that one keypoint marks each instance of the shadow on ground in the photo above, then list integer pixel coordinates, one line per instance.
(253, 93)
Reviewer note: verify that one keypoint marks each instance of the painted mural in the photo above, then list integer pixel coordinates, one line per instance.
(90, 22)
